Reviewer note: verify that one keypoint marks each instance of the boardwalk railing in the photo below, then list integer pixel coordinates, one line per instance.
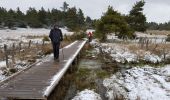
(60, 74)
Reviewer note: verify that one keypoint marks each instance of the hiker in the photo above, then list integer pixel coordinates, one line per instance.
(56, 36)
(90, 36)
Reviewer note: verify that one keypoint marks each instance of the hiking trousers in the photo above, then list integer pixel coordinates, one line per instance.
(56, 47)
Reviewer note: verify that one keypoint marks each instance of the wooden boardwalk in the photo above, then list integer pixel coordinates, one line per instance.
(39, 81)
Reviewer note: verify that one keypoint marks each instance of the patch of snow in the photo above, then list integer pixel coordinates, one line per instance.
(152, 58)
(119, 54)
(2, 64)
(2, 76)
(122, 54)
(140, 83)
(87, 95)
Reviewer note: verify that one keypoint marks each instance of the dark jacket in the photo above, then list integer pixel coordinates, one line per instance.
(56, 35)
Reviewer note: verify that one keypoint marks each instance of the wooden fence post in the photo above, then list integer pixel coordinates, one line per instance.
(29, 45)
(6, 55)
(19, 48)
(13, 53)
(43, 43)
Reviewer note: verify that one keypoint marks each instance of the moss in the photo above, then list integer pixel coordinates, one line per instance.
(102, 74)
(83, 72)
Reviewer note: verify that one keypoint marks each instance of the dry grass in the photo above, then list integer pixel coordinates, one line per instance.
(157, 32)
(34, 37)
(158, 49)
(1, 55)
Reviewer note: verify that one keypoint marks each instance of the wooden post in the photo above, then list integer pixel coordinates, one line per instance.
(43, 43)
(19, 47)
(13, 53)
(6, 55)
(29, 45)
(147, 44)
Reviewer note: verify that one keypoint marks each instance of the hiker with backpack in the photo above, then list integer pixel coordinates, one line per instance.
(56, 37)
(90, 34)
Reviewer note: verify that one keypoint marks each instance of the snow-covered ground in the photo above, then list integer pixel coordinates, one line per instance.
(28, 31)
(10, 36)
(121, 53)
(152, 38)
(138, 83)
(146, 83)
(139, 34)
(87, 95)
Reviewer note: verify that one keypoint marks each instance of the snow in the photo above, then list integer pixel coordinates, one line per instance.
(28, 31)
(2, 64)
(145, 83)
(87, 95)
(121, 53)
(90, 30)
(10, 36)
(140, 34)
(152, 58)
(56, 78)
(2, 76)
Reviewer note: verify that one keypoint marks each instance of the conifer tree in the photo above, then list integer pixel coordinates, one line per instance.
(137, 19)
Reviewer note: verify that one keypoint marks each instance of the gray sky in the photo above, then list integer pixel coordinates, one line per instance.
(155, 10)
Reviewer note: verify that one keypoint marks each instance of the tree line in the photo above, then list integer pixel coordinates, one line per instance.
(156, 26)
(70, 17)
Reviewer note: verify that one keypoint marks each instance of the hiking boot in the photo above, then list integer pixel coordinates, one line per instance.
(57, 60)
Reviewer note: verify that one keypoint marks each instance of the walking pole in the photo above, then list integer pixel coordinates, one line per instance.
(62, 49)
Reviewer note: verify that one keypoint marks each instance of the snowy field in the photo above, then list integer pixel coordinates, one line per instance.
(20, 34)
(152, 38)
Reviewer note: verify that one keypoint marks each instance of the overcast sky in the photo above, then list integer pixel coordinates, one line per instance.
(155, 10)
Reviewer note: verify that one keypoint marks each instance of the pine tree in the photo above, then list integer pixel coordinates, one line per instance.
(80, 19)
(72, 18)
(3, 15)
(65, 6)
(32, 18)
(137, 19)
(113, 22)
(42, 16)
(20, 19)
(89, 22)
